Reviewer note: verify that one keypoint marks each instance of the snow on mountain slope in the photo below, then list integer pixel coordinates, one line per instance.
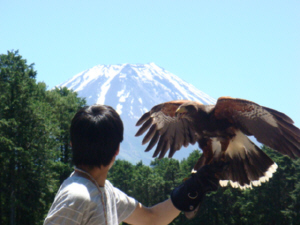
(133, 89)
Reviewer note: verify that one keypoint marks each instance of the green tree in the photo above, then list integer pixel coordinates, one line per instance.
(187, 164)
(121, 175)
(32, 133)
(23, 142)
(64, 104)
(141, 184)
(169, 169)
(293, 210)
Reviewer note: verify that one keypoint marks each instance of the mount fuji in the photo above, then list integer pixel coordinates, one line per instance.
(133, 89)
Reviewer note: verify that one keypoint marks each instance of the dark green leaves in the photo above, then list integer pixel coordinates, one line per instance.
(34, 141)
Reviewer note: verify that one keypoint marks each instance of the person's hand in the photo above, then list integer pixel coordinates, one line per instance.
(187, 196)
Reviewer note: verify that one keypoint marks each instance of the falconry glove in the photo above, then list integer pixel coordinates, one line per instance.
(187, 196)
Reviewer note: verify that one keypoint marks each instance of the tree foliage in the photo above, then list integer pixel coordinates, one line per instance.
(34, 141)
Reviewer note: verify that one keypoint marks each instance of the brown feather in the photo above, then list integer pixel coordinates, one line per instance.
(279, 115)
(160, 146)
(144, 127)
(166, 146)
(220, 131)
(143, 118)
(150, 134)
(153, 141)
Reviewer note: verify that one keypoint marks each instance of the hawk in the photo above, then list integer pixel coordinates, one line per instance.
(221, 132)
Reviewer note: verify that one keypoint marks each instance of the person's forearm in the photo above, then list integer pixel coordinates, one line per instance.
(161, 214)
(165, 212)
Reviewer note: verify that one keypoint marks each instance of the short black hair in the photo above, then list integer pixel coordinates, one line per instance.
(96, 132)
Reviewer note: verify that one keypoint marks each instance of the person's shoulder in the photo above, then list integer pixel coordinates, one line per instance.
(77, 188)
(108, 184)
(109, 187)
(118, 194)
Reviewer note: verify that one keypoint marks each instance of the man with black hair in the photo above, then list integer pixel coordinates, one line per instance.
(86, 197)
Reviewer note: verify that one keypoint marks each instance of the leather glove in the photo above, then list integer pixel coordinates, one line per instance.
(187, 196)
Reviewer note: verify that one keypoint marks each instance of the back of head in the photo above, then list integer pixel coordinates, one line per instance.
(96, 132)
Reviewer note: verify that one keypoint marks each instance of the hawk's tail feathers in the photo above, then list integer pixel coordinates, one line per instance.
(248, 166)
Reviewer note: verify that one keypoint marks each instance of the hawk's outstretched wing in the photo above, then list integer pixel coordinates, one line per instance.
(166, 129)
(268, 126)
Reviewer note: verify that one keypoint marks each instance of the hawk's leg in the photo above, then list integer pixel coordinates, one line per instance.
(206, 145)
(224, 145)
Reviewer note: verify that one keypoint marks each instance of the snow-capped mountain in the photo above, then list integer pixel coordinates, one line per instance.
(133, 89)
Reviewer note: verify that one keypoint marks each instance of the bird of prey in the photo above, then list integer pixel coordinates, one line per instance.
(222, 131)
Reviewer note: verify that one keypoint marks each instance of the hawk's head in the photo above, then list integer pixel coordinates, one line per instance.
(187, 109)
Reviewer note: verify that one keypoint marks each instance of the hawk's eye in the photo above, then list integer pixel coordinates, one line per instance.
(191, 108)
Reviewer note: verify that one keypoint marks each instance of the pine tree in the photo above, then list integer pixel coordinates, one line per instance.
(22, 128)
(30, 141)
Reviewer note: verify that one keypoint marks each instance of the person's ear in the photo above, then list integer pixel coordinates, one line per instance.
(118, 151)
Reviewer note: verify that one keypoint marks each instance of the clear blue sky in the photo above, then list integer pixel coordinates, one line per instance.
(245, 49)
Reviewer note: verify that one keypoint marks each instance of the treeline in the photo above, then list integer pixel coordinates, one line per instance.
(35, 157)
(274, 202)
(34, 141)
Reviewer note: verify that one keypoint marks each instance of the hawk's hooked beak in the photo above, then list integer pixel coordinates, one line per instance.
(180, 112)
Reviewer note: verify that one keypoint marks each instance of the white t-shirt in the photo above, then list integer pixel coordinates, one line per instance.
(78, 201)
